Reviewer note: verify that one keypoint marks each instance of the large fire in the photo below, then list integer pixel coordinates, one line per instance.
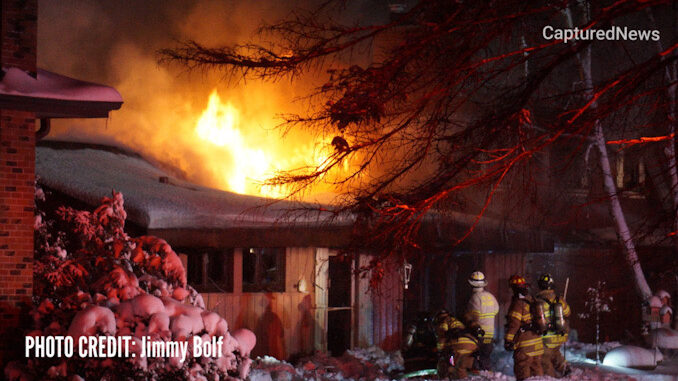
(253, 158)
(229, 143)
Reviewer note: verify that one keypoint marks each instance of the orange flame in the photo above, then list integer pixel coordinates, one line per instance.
(218, 125)
(255, 158)
(228, 144)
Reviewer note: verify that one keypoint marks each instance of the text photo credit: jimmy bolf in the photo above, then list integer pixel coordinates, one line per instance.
(120, 346)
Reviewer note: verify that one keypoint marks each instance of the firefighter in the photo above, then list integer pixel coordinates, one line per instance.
(522, 335)
(557, 313)
(665, 311)
(456, 346)
(481, 311)
(420, 343)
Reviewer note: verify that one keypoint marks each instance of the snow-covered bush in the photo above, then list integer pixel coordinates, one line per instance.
(634, 357)
(91, 279)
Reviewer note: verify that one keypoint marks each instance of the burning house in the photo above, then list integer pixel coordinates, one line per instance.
(276, 269)
(255, 262)
(267, 266)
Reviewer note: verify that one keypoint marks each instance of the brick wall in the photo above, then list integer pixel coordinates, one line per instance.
(17, 173)
(18, 33)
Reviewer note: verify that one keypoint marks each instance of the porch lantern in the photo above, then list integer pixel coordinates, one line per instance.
(407, 273)
(301, 285)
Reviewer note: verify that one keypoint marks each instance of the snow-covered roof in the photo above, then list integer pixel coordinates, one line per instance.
(52, 95)
(88, 174)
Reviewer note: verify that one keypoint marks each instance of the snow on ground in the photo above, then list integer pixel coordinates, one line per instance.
(360, 364)
(375, 364)
(663, 338)
(577, 352)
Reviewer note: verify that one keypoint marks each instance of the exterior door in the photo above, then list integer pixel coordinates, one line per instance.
(334, 302)
(339, 306)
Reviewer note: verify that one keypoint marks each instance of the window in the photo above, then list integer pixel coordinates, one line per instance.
(210, 270)
(632, 170)
(263, 269)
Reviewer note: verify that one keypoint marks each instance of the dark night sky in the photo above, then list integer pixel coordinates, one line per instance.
(79, 37)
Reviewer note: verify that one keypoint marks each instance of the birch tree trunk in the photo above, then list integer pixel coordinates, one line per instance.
(623, 231)
(616, 210)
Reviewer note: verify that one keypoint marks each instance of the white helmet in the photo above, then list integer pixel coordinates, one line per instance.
(661, 294)
(655, 302)
(477, 279)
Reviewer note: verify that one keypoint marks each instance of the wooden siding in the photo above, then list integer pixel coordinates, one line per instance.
(585, 266)
(364, 334)
(387, 308)
(439, 280)
(281, 235)
(292, 323)
(283, 321)
(498, 268)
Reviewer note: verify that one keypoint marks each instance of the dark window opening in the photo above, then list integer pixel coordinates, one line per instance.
(263, 269)
(194, 269)
(339, 294)
(634, 172)
(339, 304)
(210, 270)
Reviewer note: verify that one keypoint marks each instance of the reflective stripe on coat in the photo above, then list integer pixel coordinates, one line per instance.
(519, 319)
(481, 311)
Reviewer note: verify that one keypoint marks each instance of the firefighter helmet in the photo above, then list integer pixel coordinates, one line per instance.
(441, 316)
(655, 302)
(662, 295)
(477, 279)
(545, 281)
(517, 281)
(518, 284)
